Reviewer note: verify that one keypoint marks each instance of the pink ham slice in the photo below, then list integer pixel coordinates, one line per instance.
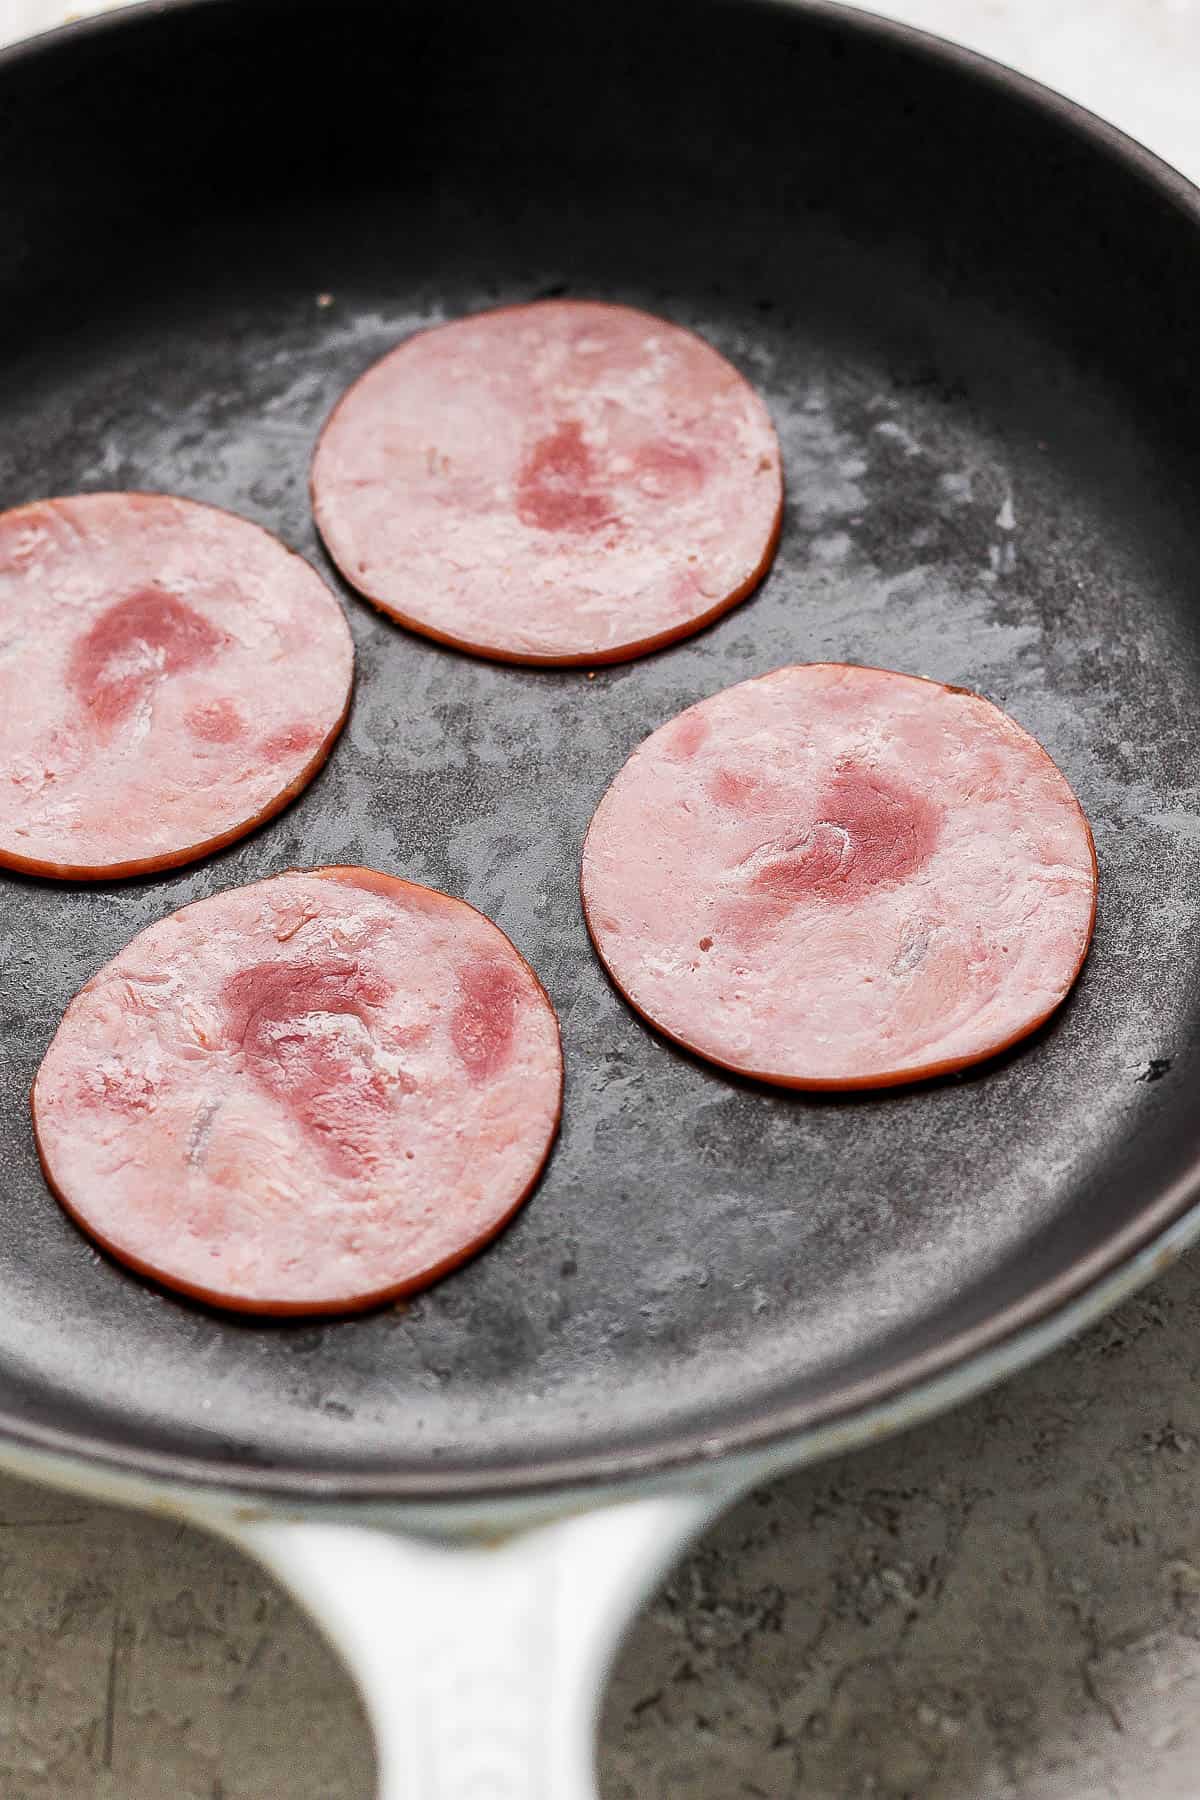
(565, 482)
(170, 676)
(304, 1096)
(834, 877)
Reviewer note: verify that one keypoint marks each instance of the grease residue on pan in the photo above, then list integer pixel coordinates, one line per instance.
(692, 1230)
(972, 494)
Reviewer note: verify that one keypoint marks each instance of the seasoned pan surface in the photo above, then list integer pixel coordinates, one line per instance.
(971, 313)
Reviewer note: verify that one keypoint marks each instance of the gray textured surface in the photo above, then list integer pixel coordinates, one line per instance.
(1003, 1604)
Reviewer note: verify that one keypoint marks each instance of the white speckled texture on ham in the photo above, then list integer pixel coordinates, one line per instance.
(303, 1096)
(170, 676)
(565, 482)
(836, 877)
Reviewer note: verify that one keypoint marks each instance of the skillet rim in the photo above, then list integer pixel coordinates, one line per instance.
(784, 1431)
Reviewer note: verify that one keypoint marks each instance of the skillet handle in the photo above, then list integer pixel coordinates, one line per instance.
(482, 1665)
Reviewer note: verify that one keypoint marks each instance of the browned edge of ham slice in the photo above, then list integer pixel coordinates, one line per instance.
(497, 1011)
(774, 880)
(176, 859)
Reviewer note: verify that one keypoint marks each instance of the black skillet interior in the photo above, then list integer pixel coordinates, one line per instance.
(974, 321)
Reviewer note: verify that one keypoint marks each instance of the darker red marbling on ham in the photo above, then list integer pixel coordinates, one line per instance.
(325, 1080)
(217, 721)
(482, 1026)
(132, 645)
(870, 831)
(558, 488)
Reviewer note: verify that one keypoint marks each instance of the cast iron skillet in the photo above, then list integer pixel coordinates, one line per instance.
(971, 309)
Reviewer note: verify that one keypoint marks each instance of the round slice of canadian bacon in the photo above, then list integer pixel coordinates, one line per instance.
(308, 1095)
(839, 877)
(563, 482)
(171, 676)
